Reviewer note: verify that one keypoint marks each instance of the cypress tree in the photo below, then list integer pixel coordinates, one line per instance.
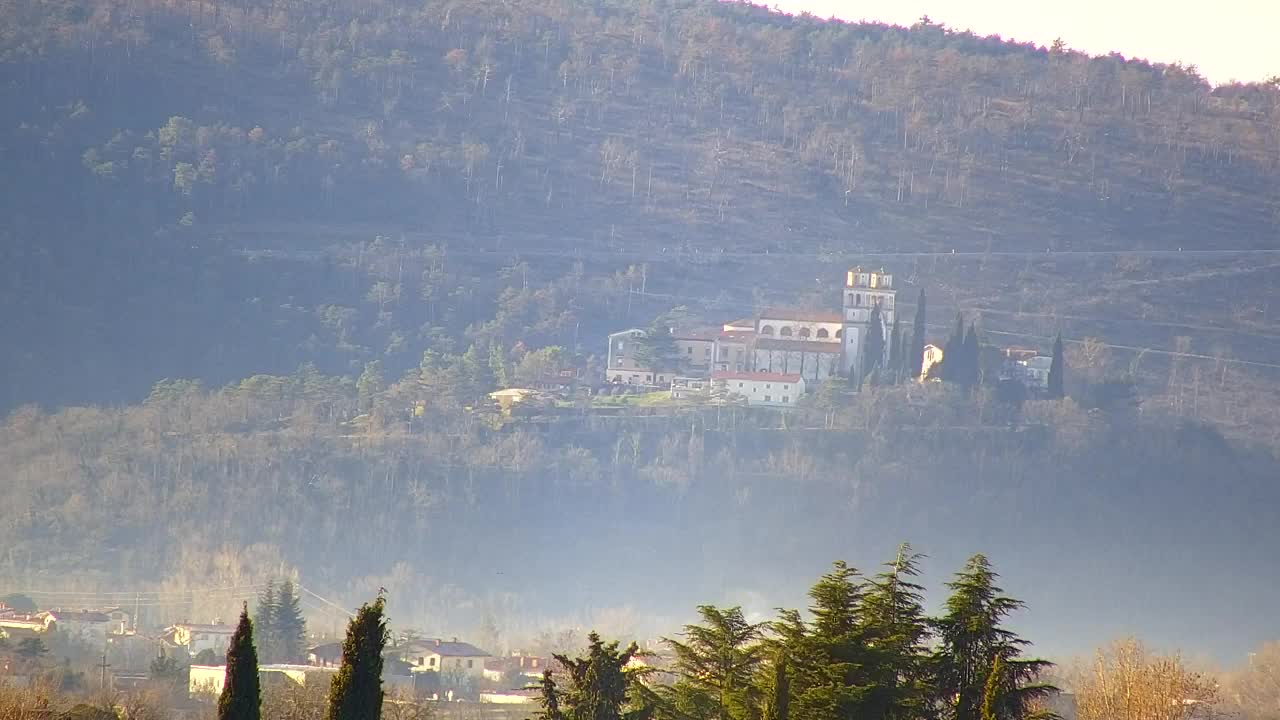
(873, 351)
(972, 359)
(289, 626)
(241, 697)
(1057, 368)
(915, 353)
(991, 696)
(356, 691)
(953, 355)
(895, 352)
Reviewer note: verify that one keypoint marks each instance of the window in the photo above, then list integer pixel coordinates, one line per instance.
(739, 384)
(724, 353)
(785, 332)
(471, 663)
(621, 345)
(767, 386)
(823, 334)
(422, 661)
(785, 399)
(619, 362)
(839, 334)
(804, 332)
(432, 663)
(766, 330)
(768, 399)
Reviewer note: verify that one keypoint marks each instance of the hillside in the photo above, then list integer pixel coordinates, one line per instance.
(149, 143)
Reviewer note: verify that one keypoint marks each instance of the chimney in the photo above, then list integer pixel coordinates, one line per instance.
(437, 642)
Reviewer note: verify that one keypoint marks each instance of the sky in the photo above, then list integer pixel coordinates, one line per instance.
(1227, 39)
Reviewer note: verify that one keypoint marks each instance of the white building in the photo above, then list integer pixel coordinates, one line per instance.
(210, 679)
(87, 625)
(1034, 372)
(762, 389)
(195, 638)
(448, 657)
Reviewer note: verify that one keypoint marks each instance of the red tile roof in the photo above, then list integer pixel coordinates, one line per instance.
(760, 376)
(818, 346)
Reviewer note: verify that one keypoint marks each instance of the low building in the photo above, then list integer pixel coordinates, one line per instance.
(195, 638)
(90, 626)
(22, 623)
(448, 657)
(1032, 372)
(327, 655)
(209, 679)
(685, 388)
(813, 360)
(527, 668)
(762, 389)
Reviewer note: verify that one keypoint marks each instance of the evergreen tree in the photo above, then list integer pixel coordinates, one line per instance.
(972, 357)
(873, 351)
(601, 687)
(915, 353)
(498, 365)
(265, 622)
(1057, 368)
(834, 681)
(356, 691)
(715, 664)
(549, 698)
(370, 385)
(953, 355)
(289, 627)
(895, 626)
(779, 707)
(972, 638)
(241, 697)
(895, 352)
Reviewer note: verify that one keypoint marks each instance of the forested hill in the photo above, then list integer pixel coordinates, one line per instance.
(146, 142)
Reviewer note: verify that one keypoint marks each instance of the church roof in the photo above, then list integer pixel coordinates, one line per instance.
(795, 315)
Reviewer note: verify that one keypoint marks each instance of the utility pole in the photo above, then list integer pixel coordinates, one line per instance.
(104, 667)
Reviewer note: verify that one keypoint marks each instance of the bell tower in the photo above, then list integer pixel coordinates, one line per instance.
(863, 291)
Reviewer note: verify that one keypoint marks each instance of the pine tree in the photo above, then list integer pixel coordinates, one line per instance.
(549, 698)
(873, 351)
(241, 697)
(716, 662)
(601, 688)
(915, 354)
(892, 613)
(1057, 368)
(370, 385)
(356, 691)
(289, 627)
(972, 638)
(835, 680)
(498, 365)
(265, 622)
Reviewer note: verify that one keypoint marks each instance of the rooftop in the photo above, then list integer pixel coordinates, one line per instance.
(444, 648)
(756, 376)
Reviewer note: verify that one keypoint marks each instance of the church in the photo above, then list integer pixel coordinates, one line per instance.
(814, 345)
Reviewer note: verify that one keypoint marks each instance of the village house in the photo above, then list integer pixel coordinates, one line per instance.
(22, 624)
(527, 668)
(761, 389)
(327, 655)
(90, 626)
(1027, 367)
(448, 657)
(209, 679)
(195, 638)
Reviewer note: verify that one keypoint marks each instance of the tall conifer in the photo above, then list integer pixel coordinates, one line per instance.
(241, 697)
(873, 351)
(915, 354)
(1057, 368)
(264, 622)
(356, 691)
(896, 629)
(972, 637)
(289, 626)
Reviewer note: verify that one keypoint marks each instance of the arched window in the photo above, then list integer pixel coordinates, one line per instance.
(766, 330)
(804, 332)
(823, 334)
(785, 332)
(839, 334)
